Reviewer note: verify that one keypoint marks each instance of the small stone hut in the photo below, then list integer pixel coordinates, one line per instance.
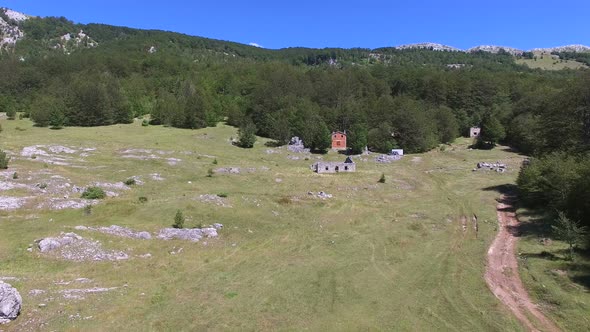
(474, 132)
(334, 167)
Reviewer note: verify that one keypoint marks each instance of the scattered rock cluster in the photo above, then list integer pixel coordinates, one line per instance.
(213, 199)
(148, 154)
(73, 247)
(57, 154)
(320, 194)
(118, 231)
(189, 234)
(10, 303)
(386, 158)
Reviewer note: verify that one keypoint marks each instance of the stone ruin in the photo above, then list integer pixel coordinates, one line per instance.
(334, 167)
(498, 167)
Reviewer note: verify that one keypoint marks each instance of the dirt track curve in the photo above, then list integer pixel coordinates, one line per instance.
(502, 272)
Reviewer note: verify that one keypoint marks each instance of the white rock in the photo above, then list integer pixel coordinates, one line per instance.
(10, 303)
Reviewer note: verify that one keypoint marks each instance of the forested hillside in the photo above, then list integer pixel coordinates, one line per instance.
(415, 99)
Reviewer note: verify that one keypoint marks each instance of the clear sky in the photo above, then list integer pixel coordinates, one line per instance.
(319, 24)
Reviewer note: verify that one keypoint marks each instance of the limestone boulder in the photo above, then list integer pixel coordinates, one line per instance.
(10, 303)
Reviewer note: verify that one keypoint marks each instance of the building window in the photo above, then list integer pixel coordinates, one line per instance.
(336, 169)
(326, 168)
(346, 168)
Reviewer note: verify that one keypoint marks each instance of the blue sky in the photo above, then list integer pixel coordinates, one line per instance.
(368, 24)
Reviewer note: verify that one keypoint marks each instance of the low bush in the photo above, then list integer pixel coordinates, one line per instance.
(4, 159)
(94, 193)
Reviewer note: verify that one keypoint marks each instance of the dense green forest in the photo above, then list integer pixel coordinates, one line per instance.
(415, 99)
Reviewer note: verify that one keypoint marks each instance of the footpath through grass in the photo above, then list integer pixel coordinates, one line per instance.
(375, 256)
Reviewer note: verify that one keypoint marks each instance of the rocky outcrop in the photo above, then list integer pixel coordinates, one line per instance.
(73, 247)
(567, 48)
(495, 49)
(10, 31)
(429, 46)
(188, 234)
(118, 231)
(10, 303)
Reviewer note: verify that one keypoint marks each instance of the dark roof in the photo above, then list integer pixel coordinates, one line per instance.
(348, 161)
(338, 132)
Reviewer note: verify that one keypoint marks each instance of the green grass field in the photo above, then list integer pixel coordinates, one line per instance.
(546, 62)
(391, 256)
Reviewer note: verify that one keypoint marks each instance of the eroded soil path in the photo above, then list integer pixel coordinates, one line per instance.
(502, 272)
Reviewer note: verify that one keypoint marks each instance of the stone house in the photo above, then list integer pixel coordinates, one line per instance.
(474, 132)
(339, 140)
(334, 167)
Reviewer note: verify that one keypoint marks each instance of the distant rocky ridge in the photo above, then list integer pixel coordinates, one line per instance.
(429, 46)
(495, 49)
(568, 48)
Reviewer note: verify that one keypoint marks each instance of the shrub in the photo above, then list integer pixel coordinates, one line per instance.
(215, 161)
(223, 195)
(142, 199)
(247, 135)
(210, 172)
(15, 176)
(4, 159)
(382, 178)
(11, 113)
(145, 123)
(88, 210)
(130, 182)
(285, 200)
(94, 193)
(43, 186)
(178, 220)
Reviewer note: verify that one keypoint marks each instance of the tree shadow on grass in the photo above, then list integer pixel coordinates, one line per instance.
(507, 189)
(580, 271)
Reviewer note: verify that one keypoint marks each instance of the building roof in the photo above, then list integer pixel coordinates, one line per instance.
(339, 132)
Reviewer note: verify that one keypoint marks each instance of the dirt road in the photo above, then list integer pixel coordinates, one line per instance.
(502, 272)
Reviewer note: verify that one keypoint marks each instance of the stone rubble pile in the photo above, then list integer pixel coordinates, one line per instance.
(296, 145)
(387, 158)
(498, 167)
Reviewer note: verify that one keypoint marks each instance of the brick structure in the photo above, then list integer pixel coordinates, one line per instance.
(339, 140)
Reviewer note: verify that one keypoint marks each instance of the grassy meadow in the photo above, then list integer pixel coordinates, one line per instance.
(375, 256)
(546, 62)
